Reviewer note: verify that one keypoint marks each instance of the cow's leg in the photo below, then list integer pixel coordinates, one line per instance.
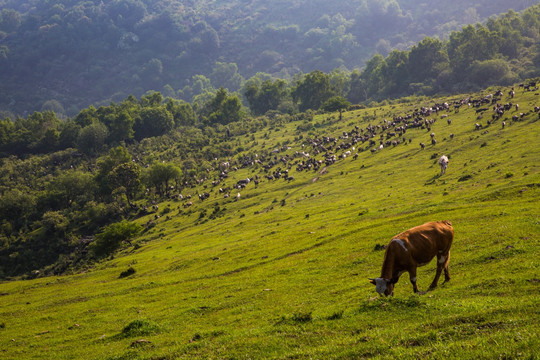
(441, 261)
(412, 277)
(446, 273)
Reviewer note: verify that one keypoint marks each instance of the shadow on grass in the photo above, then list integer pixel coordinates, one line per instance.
(391, 304)
(432, 179)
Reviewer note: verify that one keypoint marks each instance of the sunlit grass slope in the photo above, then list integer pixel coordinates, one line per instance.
(281, 273)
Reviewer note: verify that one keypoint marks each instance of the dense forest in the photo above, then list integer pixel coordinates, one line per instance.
(69, 186)
(66, 55)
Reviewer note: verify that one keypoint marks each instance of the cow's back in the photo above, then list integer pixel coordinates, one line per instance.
(426, 240)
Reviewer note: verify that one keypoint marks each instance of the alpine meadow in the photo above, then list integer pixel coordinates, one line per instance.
(247, 223)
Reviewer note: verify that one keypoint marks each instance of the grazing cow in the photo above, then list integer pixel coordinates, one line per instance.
(443, 162)
(412, 248)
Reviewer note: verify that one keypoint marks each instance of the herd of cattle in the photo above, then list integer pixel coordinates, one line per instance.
(409, 249)
(320, 151)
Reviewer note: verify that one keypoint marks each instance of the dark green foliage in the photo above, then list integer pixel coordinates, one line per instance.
(16, 207)
(222, 108)
(113, 235)
(312, 91)
(93, 52)
(126, 176)
(130, 271)
(336, 103)
(182, 112)
(265, 96)
(92, 138)
(153, 121)
(160, 175)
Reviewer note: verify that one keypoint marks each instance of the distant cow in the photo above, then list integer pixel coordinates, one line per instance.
(443, 162)
(412, 248)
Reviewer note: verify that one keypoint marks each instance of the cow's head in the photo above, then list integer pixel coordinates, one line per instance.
(383, 286)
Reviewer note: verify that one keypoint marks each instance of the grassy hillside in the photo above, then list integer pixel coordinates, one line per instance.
(281, 272)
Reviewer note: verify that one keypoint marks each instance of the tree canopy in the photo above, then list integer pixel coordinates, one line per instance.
(65, 56)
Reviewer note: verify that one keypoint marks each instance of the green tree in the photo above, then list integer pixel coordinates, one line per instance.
(266, 96)
(489, 72)
(127, 176)
(7, 133)
(397, 73)
(115, 157)
(70, 189)
(336, 103)
(152, 99)
(374, 76)
(153, 121)
(339, 82)
(182, 112)
(50, 140)
(223, 108)
(427, 60)
(121, 127)
(312, 90)
(86, 117)
(159, 175)
(54, 223)
(226, 75)
(69, 133)
(92, 138)
(112, 237)
(470, 44)
(357, 88)
(16, 207)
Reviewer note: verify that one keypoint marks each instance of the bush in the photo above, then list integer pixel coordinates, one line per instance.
(113, 235)
(128, 272)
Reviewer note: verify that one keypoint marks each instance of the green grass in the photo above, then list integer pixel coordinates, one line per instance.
(282, 272)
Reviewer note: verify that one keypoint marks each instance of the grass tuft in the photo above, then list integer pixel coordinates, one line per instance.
(140, 327)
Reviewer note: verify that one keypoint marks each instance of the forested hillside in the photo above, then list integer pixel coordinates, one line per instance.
(65, 55)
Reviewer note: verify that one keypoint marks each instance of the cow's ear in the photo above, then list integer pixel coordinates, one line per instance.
(372, 281)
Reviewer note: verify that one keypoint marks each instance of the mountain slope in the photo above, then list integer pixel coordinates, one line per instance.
(281, 272)
(64, 56)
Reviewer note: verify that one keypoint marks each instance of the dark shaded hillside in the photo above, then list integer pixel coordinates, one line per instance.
(66, 55)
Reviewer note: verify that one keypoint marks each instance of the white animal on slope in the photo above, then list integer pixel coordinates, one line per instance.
(443, 162)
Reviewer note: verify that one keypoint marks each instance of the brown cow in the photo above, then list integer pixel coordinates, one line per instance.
(412, 248)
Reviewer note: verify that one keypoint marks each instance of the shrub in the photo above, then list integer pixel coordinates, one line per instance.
(113, 235)
(128, 272)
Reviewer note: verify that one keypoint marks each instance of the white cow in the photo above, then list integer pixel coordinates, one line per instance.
(443, 162)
